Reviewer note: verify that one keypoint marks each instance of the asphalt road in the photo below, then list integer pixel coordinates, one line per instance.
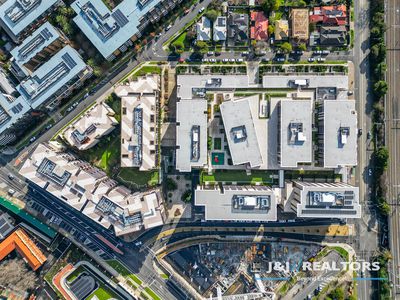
(392, 118)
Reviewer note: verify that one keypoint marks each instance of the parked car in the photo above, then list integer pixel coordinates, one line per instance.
(49, 126)
(232, 60)
(244, 53)
(204, 60)
(280, 59)
(225, 60)
(181, 60)
(138, 244)
(209, 53)
(202, 9)
(311, 59)
(32, 139)
(325, 52)
(264, 59)
(11, 192)
(168, 27)
(317, 52)
(369, 135)
(239, 60)
(11, 176)
(212, 60)
(369, 172)
(321, 59)
(360, 131)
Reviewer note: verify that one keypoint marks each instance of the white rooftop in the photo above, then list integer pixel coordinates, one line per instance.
(19, 14)
(295, 132)
(241, 133)
(191, 134)
(220, 29)
(238, 203)
(340, 133)
(305, 81)
(36, 42)
(109, 30)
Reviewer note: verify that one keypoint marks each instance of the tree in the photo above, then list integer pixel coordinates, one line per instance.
(202, 47)
(380, 88)
(382, 157)
(211, 14)
(271, 29)
(302, 47)
(187, 196)
(96, 69)
(171, 184)
(384, 207)
(286, 47)
(271, 5)
(15, 274)
(337, 294)
(178, 47)
(378, 52)
(380, 70)
(190, 35)
(312, 27)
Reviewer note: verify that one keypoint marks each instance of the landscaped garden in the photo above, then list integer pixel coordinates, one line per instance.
(121, 269)
(238, 176)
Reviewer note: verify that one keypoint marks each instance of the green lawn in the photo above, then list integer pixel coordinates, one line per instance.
(141, 178)
(147, 70)
(238, 176)
(121, 269)
(152, 294)
(102, 293)
(71, 277)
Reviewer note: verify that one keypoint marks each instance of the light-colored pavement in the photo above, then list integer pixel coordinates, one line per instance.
(392, 133)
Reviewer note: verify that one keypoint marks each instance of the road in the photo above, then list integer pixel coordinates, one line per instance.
(392, 133)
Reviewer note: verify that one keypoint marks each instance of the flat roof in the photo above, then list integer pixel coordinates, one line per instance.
(328, 200)
(238, 203)
(340, 144)
(191, 134)
(241, 133)
(295, 132)
(313, 81)
(18, 14)
(36, 42)
(139, 122)
(50, 77)
(186, 83)
(109, 30)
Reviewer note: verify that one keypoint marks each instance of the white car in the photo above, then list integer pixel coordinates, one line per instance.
(225, 60)
(239, 60)
(210, 53)
(204, 60)
(212, 60)
(311, 59)
(137, 244)
(202, 9)
(321, 59)
(232, 60)
(11, 191)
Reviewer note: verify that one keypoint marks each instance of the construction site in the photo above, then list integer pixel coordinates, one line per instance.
(227, 268)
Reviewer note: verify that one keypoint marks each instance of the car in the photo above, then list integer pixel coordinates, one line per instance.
(280, 59)
(325, 52)
(204, 60)
(213, 60)
(244, 53)
(225, 60)
(311, 59)
(349, 93)
(168, 27)
(217, 53)
(239, 59)
(137, 244)
(11, 192)
(261, 53)
(264, 59)
(369, 172)
(209, 53)
(317, 52)
(360, 131)
(369, 135)
(181, 60)
(321, 59)
(232, 60)
(11, 176)
(49, 126)
(202, 9)
(32, 139)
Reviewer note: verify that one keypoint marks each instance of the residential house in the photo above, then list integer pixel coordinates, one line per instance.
(259, 26)
(333, 36)
(220, 29)
(203, 29)
(281, 30)
(334, 15)
(238, 29)
(299, 22)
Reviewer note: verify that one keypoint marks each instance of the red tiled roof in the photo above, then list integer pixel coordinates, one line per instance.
(259, 26)
(326, 14)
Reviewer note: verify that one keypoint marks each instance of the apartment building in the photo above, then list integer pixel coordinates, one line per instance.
(113, 31)
(20, 17)
(86, 131)
(139, 122)
(237, 203)
(36, 50)
(337, 133)
(322, 200)
(191, 134)
(89, 191)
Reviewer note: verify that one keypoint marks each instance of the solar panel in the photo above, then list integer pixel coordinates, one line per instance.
(120, 18)
(69, 61)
